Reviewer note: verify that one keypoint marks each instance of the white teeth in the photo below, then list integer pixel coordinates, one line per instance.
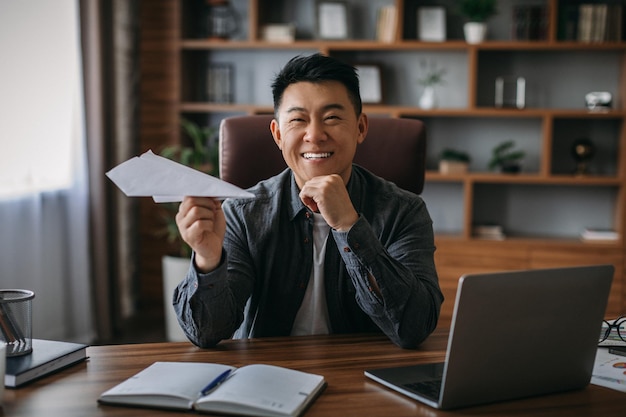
(311, 155)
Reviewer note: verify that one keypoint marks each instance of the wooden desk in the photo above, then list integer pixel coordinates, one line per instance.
(341, 359)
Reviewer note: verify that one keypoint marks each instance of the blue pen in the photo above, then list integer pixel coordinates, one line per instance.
(213, 384)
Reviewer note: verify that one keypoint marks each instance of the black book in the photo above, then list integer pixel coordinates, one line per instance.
(48, 356)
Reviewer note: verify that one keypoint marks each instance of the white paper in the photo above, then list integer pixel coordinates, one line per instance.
(164, 180)
(609, 370)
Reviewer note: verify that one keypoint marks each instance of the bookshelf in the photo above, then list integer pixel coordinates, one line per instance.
(542, 210)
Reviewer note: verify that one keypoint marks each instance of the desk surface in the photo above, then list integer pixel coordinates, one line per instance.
(341, 359)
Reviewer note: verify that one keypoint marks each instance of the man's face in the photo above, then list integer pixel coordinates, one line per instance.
(318, 130)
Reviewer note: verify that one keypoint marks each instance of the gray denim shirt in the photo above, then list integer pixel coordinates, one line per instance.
(268, 255)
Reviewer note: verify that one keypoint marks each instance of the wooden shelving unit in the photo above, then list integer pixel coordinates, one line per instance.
(466, 118)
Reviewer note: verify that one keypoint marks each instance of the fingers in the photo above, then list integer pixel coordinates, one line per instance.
(318, 191)
(328, 196)
(197, 209)
(202, 225)
(189, 203)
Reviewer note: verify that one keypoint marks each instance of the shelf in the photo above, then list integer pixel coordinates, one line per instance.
(528, 241)
(369, 45)
(550, 46)
(495, 178)
(410, 111)
(543, 208)
(193, 107)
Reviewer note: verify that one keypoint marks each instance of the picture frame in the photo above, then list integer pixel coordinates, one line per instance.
(431, 24)
(370, 81)
(219, 83)
(332, 20)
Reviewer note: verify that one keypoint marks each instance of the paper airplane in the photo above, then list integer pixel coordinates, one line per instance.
(164, 180)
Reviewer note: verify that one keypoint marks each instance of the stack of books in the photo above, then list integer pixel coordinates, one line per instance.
(592, 22)
(599, 235)
(489, 231)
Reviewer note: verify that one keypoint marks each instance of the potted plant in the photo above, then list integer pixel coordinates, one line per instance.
(432, 77)
(477, 12)
(452, 161)
(202, 154)
(505, 158)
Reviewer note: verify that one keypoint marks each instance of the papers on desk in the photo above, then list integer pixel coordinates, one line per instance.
(164, 180)
(613, 339)
(608, 370)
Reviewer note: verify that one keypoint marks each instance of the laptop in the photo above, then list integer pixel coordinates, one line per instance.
(514, 334)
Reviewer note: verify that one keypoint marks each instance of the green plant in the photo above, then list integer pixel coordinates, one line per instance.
(201, 154)
(454, 155)
(432, 75)
(506, 158)
(478, 10)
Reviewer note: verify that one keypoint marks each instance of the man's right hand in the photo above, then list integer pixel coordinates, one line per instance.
(202, 225)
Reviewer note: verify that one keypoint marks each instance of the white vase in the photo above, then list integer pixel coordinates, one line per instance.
(475, 32)
(428, 100)
(174, 270)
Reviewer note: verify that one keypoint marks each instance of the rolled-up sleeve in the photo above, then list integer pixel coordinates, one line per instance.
(402, 264)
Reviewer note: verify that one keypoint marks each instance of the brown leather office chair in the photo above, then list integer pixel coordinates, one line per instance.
(394, 149)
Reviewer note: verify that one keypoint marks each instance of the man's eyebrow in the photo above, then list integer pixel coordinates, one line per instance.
(334, 106)
(294, 109)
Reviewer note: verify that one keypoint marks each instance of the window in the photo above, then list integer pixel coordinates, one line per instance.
(39, 95)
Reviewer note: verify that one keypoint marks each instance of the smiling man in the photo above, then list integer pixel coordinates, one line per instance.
(325, 246)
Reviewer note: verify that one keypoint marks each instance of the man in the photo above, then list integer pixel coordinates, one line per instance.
(325, 246)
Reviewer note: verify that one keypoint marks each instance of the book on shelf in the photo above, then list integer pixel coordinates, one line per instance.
(47, 357)
(386, 24)
(251, 390)
(488, 231)
(529, 22)
(568, 22)
(599, 234)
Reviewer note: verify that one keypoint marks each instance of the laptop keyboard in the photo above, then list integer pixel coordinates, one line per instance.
(430, 388)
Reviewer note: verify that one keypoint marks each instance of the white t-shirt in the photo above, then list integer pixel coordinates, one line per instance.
(312, 318)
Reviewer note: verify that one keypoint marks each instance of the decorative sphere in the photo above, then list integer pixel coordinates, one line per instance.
(583, 149)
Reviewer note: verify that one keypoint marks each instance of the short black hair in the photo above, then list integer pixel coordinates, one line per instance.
(317, 68)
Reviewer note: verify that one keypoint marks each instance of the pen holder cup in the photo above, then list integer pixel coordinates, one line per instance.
(16, 321)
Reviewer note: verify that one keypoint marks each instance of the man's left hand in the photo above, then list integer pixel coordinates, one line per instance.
(328, 195)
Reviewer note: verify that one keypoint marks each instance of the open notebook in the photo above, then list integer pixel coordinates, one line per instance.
(514, 334)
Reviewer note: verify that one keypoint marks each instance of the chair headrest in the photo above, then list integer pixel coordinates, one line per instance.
(394, 148)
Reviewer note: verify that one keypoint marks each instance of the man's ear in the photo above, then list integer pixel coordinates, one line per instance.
(275, 129)
(362, 125)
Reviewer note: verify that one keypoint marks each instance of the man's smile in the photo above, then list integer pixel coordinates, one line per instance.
(316, 155)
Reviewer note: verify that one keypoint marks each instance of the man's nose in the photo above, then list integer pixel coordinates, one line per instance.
(315, 131)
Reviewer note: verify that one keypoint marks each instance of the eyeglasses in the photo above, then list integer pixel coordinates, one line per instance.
(619, 324)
